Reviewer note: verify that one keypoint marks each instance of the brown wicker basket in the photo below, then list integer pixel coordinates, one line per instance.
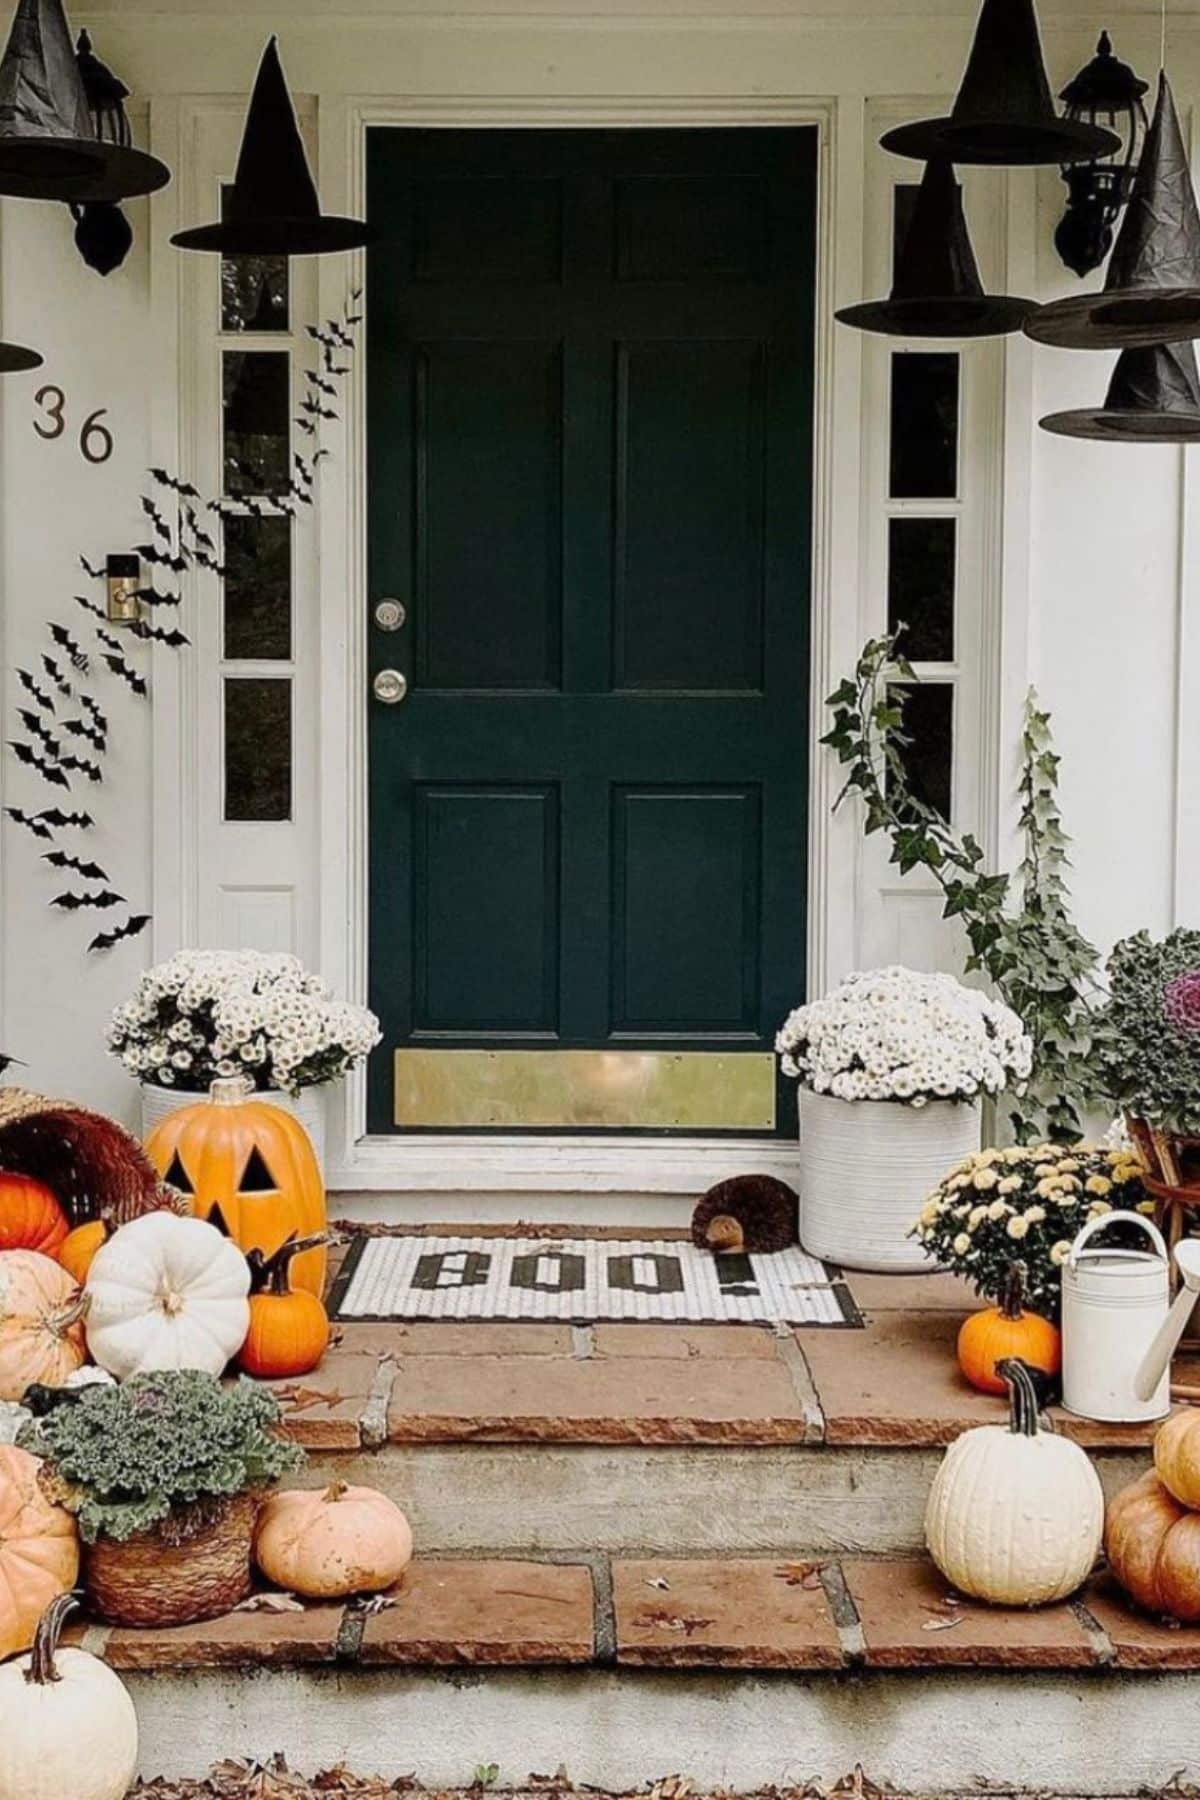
(92, 1164)
(151, 1580)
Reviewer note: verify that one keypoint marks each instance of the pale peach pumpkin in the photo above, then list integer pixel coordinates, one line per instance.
(1153, 1549)
(324, 1543)
(252, 1164)
(41, 1323)
(39, 1550)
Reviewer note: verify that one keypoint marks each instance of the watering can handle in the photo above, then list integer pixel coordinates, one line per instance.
(1118, 1218)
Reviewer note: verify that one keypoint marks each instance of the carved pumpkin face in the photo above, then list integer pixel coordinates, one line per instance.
(255, 1163)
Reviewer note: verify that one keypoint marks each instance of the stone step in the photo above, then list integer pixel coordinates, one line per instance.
(738, 1672)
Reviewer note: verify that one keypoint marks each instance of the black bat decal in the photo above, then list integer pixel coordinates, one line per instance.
(173, 639)
(176, 486)
(31, 687)
(81, 729)
(7, 1062)
(151, 554)
(62, 859)
(93, 711)
(130, 927)
(51, 819)
(57, 677)
(82, 766)
(49, 771)
(74, 652)
(202, 537)
(72, 901)
(319, 382)
(35, 728)
(120, 667)
(88, 569)
(91, 606)
(153, 596)
(161, 528)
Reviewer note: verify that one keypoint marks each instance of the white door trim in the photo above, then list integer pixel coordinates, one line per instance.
(562, 1164)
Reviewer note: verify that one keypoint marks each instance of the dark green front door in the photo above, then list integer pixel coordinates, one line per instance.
(590, 423)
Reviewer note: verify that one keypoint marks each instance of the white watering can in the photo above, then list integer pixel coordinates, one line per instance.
(1157, 1359)
(1118, 1326)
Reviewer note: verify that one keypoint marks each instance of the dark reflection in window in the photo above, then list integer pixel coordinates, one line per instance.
(929, 759)
(257, 400)
(254, 289)
(258, 589)
(921, 586)
(924, 425)
(258, 749)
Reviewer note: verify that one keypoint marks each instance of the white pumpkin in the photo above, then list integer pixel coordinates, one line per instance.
(1015, 1514)
(167, 1293)
(69, 1723)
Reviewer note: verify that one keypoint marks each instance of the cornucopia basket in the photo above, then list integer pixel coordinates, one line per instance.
(93, 1165)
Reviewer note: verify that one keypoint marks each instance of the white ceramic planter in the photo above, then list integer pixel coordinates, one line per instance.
(308, 1107)
(866, 1167)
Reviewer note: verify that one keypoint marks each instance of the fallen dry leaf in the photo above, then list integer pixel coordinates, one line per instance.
(800, 1574)
(669, 1621)
(270, 1603)
(293, 1398)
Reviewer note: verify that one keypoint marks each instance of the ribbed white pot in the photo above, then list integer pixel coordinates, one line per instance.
(308, 1106)
(865, 1169)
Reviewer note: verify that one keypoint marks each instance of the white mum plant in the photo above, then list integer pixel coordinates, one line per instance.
(895, 1034)
(210, 1013)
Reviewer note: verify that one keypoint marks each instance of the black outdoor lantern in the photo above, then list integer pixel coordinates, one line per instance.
(103, 235)
(1108, 93)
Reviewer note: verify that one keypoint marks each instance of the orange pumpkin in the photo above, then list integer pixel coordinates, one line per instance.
(30, 1216)
(39, 1550)
(41, 1323)
(1007, 1331)
(78, 1248)
(1177, 1456)
(252, 1161)
(289, 1327)
(1153, 1549)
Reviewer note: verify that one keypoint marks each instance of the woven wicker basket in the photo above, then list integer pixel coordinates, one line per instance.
(149, 1580)
(91, 1163)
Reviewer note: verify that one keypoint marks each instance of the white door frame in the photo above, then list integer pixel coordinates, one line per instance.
(501, 1163)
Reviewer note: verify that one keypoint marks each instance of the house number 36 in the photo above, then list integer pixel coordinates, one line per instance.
(95, 439)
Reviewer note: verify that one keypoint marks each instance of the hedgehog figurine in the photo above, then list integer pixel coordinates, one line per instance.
(747, 1213)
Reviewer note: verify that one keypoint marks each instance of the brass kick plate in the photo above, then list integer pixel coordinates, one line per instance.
(610, 1090)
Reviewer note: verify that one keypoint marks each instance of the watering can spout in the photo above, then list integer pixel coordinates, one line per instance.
(1154, 1364)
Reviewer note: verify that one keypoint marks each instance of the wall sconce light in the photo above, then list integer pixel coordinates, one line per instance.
(122, 579)
(1105, 92)
(103, 234)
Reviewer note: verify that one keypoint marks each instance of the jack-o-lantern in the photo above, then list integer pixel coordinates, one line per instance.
(253, 1165)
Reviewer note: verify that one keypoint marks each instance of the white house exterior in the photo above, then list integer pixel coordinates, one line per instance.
(1077, 564)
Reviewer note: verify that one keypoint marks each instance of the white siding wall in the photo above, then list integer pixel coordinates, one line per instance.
(1109, 541)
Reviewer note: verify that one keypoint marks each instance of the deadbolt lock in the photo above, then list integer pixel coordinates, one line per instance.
(390, 615)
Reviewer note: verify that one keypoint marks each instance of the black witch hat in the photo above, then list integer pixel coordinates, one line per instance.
(1153, 398)
(15, 358)
(1004, 112)
(273, 208)
(937, 291)
(48, 146)
(1152, 288)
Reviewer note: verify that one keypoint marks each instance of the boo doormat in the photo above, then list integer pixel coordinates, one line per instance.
(585, 1280)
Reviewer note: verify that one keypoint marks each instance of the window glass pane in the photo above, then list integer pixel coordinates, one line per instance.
(254, 289)
(929, 759)
(258, 748)
(921, 586)
(257, 401)
(258, 588)
(924, 425)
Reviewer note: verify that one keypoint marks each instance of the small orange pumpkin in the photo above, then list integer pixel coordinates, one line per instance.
(289, 1327)
(77, 1249)
(30, 1216)
(1177, 1456)
(253, 1161)
(39, 1549)
(41, 1323)
(1007, 1331)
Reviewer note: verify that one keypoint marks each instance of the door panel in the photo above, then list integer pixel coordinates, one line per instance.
(589, 375)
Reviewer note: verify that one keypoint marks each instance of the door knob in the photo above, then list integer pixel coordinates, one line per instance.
(389, 686)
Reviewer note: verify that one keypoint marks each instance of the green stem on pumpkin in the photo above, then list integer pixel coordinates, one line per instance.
(42, 1669)
(1022, 1396)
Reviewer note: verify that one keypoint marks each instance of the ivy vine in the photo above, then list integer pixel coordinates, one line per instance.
(1018, 925)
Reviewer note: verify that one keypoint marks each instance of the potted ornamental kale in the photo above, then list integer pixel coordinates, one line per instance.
(1151, 1057)
(164, 1475)
(892, 1068)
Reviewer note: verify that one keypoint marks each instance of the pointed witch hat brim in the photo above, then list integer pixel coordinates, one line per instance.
(272, 207)
(15, 359)
(1153, 398)
(937, 291)
(1004, 112)
(1151, 292)
(48, 146)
